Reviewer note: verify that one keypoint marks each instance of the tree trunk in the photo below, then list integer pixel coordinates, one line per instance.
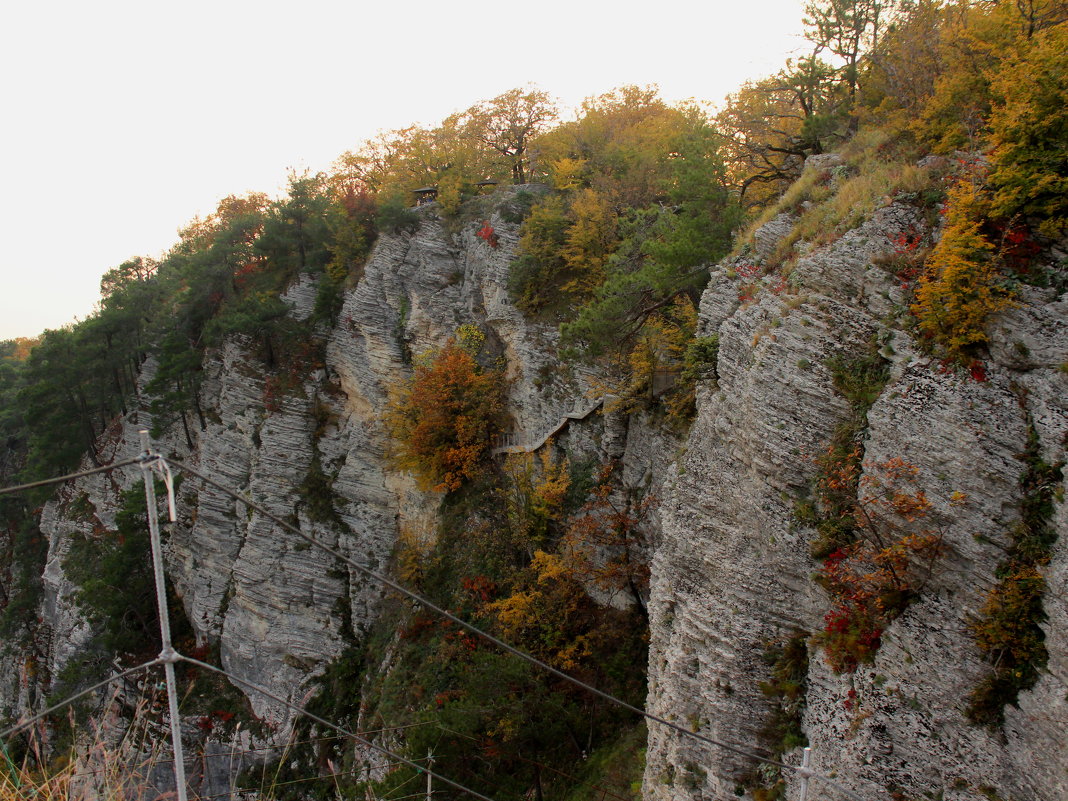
(185, 428)
(537, 783)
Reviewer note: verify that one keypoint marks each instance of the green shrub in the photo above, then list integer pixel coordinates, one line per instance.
(700, 359)
(116, 587)
(518, 208)
(395, 216)
(532, 280)
(1008, 629)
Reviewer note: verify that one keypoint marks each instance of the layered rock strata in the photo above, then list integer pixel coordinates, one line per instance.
(733, 573)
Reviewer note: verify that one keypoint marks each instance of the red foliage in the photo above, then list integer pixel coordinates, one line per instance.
(487, 234)
(850, 700)
(872, 580)
(421, 624)
(976, 369)
(907, 262)
(1018, 248)
(272, 393)
(907, 243)
(444, 697)
(208, 722)
(479, 588)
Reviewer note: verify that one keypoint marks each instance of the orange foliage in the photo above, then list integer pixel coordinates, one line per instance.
(604, 542)
(872, 580)
(443, 418)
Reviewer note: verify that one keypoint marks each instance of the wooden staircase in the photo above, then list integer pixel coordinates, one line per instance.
(522, 442)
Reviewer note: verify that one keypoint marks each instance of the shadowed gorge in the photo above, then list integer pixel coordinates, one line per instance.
(756, 421)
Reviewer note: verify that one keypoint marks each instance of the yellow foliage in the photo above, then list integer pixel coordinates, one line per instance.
(960, 287)
(567, 173)
(661, 344)
(411, 553)
(534, 497)
(549, 567)
(620, 146)
(589, 241)
(548, 615)
(761, 123)
(514, 612)
(337, 271)
(471, 338)
(1029, 128)
(450, 193)
(907, 61)
(955, 115)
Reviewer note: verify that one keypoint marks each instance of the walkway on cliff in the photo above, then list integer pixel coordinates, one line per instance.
(522, 442)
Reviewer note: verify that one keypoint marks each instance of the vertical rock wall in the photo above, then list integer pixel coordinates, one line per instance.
(276, 608)
(734, 573)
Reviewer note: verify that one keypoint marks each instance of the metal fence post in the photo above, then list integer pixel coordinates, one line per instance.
(167, 654)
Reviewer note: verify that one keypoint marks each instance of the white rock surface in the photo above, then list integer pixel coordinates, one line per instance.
(732, 573)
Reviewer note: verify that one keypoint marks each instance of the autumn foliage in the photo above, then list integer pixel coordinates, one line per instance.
(873, 579)
(443, 418)
(605, 544)
(534, 494)
(1009, 627)
(550, 608)
(961, 285)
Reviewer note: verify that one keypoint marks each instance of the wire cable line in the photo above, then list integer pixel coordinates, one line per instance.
(340, 729)
(154, 460)
(25, 722)
(149, 761)
(427, 603)
(71, 476)
(305, 780)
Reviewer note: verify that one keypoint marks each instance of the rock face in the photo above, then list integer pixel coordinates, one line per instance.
(733, 570)
(276, 608)
(731, 566)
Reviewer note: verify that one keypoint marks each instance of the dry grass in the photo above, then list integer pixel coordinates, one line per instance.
(110, 761)
(876, 169)
(101, 773)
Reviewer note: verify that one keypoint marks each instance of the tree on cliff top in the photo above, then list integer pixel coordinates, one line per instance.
(508, 122)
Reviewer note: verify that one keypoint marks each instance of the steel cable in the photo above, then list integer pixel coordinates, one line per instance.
(366, 571)
(340, 729)
(71, 476)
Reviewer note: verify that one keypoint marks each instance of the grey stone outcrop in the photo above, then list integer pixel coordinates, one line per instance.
(733, 572)
(731, 567)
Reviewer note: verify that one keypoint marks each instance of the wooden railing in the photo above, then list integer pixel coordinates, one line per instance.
(521, 442)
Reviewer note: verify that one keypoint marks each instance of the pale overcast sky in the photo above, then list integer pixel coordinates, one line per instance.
(123, 120)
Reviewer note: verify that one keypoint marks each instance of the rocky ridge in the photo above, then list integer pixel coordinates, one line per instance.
(731, 568)
(733, 572)
(277, 609)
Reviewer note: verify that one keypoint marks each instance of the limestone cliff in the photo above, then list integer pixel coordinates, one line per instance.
(276, 608)
(731, 564)
(733, 572)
